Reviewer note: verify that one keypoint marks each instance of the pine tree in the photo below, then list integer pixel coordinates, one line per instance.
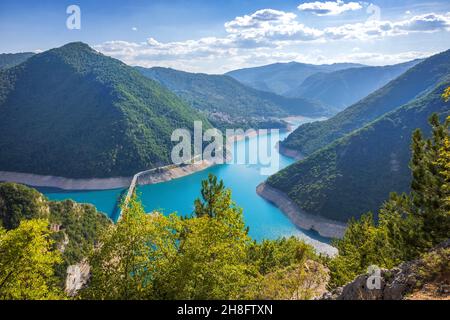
(408, 225)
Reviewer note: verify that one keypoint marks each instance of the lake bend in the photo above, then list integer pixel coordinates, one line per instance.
(265, 221)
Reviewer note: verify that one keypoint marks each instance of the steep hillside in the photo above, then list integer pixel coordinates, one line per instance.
(77, 226)
(226, 101)
(342, 88)
(281, 78)
(413, 83)
(357, 173)
(75, 113)
(8, 60)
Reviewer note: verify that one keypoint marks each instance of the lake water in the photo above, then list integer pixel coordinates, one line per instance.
(264, 219)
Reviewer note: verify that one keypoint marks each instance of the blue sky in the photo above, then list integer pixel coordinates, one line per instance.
(216, 36)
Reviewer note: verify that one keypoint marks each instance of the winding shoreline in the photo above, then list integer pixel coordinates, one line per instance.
(325, 227)
(291, 153)
(91, 184)
(96, 184)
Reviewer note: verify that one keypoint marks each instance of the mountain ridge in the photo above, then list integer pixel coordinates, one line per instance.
(280, 78)
(99, 117)
(356, 174)
(343, 88)
(415, 82)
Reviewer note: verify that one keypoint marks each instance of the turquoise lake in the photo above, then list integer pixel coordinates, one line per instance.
(264, 219)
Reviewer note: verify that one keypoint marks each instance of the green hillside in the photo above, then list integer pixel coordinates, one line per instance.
(76, 113)
(8, 60)
(356, 173)
(342, 88)
(281, 78)
(227, 102)
(413, 83)
(79, 224)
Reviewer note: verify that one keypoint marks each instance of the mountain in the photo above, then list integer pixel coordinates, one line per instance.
(8, 60)
(356, 174)
(228, 102)
(343, 88)
(281, 78)
(75, 113)
(415, 82)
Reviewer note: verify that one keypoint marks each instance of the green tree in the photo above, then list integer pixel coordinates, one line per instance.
(27, 262)
(206, 256)
(215, 198)
(408, 225)
(132, 254)
(212, 255)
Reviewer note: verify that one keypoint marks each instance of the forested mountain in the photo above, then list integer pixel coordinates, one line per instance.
(76, 113)
(343, 88)
(227, 102)
(8, 60)
(413, 83)
(356, 174)
(281, 78)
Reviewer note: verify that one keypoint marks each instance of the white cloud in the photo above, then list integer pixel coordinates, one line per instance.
(378, 28)
(134, 29)
(268, 36)
(270, 25)
(329, 8)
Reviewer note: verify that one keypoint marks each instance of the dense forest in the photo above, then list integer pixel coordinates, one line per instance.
(228, 103)
(94, 114)
(76, 228)
(416, 82)
(209, 255)
(355, 174)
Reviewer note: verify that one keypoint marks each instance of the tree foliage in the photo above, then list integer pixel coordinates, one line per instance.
(206, 256)
(408, 225)
(27, 262)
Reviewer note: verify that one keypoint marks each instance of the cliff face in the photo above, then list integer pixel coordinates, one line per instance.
(427, 278)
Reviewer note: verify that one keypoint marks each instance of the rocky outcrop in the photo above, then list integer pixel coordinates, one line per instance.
(424, 278)
(77, 278)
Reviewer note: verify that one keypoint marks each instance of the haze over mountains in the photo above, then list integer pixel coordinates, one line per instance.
(282, 78)
(227, 102)
(413, 83)
(342, 88)
(358, 157)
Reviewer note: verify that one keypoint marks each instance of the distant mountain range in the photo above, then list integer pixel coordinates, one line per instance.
(415, 82)
(76, 113)
(343, 88)
(357, 173)
(8, 60)
(227, 102)
(283, 78)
